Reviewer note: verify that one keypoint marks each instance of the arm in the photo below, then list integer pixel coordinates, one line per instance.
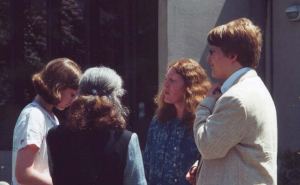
(134, 170)
(25, 173)
(217, 132)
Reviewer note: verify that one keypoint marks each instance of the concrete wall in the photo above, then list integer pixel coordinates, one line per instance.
(286, 74)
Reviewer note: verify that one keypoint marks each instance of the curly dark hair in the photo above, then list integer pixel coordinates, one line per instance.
(90, 112)
(197, 85)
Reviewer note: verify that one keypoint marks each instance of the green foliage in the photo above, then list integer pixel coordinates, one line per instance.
(35, 30)
(71, 19)
(4, 25)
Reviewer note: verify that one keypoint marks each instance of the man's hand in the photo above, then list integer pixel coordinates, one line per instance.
(215, 91)
(191, 175)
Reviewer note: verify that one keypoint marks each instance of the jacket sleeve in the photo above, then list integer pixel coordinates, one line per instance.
(218, 129)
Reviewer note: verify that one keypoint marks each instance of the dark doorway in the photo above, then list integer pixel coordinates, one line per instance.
(121, 34)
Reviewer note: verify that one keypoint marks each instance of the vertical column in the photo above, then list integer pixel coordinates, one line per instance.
(269, 47)
(162, 38)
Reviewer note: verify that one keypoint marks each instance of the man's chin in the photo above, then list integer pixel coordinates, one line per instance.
(216, 77)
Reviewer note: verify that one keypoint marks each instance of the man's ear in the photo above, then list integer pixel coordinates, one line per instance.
(233, 57)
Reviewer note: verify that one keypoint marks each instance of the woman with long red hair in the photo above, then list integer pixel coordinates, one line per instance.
(170, 147)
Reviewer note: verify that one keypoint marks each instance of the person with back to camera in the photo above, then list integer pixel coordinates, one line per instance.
(56, 86)
(236, 129)
(93, 147)
(170, 148)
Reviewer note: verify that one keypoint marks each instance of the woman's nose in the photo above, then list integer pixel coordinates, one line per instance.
(166, 84)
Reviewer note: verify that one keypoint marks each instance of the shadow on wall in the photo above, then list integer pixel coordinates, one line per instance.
(254, 10)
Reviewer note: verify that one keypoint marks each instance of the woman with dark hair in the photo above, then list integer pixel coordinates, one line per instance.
(56, 86)
(93, 147)
(170, 147)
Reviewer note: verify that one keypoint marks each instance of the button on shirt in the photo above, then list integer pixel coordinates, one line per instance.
(170, 152)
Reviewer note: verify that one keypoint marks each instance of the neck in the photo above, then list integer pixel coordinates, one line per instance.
(234, 68)
(48, 107)
(179, 110)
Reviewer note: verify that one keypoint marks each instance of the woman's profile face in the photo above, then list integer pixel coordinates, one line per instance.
(173, 88)
(67, 97)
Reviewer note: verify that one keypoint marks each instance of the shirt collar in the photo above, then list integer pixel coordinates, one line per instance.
(232, 78)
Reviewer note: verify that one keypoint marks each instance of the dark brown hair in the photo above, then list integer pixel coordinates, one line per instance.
(240, 37)
(196, 86)
(58, 74)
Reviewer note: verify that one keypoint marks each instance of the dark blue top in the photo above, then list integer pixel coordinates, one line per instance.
(170, 152)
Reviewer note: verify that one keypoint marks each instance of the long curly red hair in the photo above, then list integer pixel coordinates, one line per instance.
(197, 85)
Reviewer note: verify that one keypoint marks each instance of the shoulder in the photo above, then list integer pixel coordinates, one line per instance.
(32, 111)
(30, 118)
(121, 137)
(155, 126)
(126, 134)
(155, 122)
(55, 130)
(134, 137)
(154, 119)
(231, 103)
(57, 133)
(248, 84)
(134, 140)
(246, 91)
(133, 147)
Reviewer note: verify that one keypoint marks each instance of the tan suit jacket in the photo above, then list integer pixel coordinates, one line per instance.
(237, 135)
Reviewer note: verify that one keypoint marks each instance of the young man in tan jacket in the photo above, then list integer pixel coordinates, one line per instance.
(235, 128)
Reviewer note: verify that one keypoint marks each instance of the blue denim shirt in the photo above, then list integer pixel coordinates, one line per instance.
(170, 152)
(134, 169)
